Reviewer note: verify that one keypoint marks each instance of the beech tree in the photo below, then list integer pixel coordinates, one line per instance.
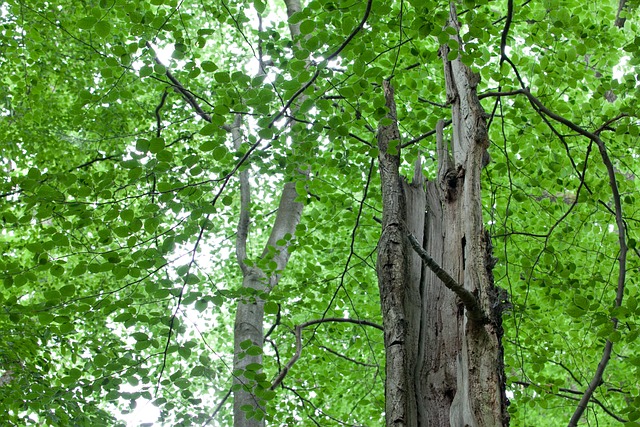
(319, 212)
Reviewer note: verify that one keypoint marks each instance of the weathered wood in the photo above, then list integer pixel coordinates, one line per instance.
(392, 269)
(463, 365)
(444, 362)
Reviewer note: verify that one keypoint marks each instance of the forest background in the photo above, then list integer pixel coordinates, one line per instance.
(170, 165)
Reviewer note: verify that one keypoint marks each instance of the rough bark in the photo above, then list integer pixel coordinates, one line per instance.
(444, 362)
(393, 269)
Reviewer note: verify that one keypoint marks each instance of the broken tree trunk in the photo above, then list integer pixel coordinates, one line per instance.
(442, 319)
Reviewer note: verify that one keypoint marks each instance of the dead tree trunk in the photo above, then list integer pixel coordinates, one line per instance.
(442, 321)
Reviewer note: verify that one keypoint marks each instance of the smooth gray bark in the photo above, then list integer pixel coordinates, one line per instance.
(250, 314)
(248, 407)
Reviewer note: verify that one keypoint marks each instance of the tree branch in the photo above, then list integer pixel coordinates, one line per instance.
(423, 136)
(622, 258)
(619, 19)
(218, 407)
(569, 391)
(186, 94)
(327, 58)
(245, 201)
(298, 333)
(342, 356)
(470, 302)
(505, 31)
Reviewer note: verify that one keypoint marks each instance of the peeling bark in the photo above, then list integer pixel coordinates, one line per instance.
(462, 366)
(444, 361)
(464, 369)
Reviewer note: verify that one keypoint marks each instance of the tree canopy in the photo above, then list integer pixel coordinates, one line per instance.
(125, 127)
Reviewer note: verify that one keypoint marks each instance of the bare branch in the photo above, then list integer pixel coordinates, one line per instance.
(157, 112)
(505, 31)
(622, 258)
(298, 333)
(215, 412)
(424, 135)
(245, 200)
(186, 94)
(569, 391)
(435, 104)
(342, 356)
(470, 302)
(499, 94)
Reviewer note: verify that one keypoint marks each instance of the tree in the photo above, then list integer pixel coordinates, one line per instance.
(182, 176)
(462, 383)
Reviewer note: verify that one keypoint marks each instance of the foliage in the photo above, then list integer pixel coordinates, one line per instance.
(120, 199)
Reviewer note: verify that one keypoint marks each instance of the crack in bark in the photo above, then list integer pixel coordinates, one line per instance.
(469, 300)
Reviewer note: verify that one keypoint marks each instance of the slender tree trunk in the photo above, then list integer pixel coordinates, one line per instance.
(443, 324)
(392, 270)
(248, 406)
(249, 384)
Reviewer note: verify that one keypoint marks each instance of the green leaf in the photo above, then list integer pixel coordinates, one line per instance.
(219, 153)
(68, 290)
(57, 270)
(100, 360)
(45, 318)
(254, 350)
(86, 23)
(581, 301)
(208, 129)
(155, 145)
(66, 328)
(184, 352)
(253, 367)
(140, 336)
(307, 26)
(270, 307)
(259, 5)
(201, 305)
(209, 66)
(296, 17)
(222, 77)
(102, 28)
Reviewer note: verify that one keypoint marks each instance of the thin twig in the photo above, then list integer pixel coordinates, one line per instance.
(298, 333)
(622, 258)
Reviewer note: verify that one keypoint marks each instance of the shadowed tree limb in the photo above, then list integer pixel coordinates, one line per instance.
(470, 302)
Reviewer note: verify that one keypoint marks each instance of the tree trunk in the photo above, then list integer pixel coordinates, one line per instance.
(442, 331)
(248, 405)
(249, 384)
